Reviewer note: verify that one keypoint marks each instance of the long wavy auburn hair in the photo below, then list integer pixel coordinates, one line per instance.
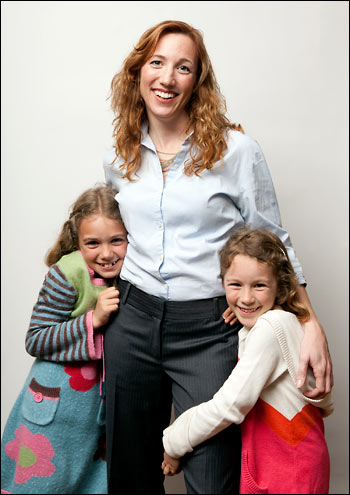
(98, 200)
(267, 247)
(206, 108)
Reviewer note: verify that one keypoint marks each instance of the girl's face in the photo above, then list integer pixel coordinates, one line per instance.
(168, 77)
(251, 288)
(103, 243)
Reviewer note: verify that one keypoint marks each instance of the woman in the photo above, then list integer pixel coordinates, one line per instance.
(186, 178)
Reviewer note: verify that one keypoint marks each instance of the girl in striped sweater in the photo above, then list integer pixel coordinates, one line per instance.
(54, 439)
(283, 444)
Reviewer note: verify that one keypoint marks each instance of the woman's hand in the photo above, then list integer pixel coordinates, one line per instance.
(229, 317)
(107, 303)
(170, 465)
(314, 353)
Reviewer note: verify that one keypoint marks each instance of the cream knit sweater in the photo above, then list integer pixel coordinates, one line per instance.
(264, 376)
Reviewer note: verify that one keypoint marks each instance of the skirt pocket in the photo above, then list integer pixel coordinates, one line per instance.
(40, 403)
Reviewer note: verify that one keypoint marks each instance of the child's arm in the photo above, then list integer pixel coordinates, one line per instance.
(261, 364)
(55, 336)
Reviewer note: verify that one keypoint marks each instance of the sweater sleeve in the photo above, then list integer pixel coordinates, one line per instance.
(52, 334)
(260, 365)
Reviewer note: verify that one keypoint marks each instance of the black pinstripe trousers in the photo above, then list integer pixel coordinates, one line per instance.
(158, 353)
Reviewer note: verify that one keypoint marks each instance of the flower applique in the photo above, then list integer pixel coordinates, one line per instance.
(32, 452)
(83, 377)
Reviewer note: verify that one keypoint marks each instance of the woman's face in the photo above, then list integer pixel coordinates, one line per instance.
(168, 77)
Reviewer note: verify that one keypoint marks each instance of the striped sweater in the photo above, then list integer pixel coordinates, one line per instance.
(61, 325)
(54, 439)
(283, 444)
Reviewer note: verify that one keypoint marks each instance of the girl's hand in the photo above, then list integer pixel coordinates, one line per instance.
(170, 465)
(229, 316)
(107, 303)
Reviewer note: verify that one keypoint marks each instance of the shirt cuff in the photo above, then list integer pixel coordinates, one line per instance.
(94, 339)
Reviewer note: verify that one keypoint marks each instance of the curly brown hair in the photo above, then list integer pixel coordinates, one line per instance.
(267, 248)
(206, 107)
(97, 200)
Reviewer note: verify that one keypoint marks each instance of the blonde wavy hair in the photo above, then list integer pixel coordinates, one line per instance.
(94, 201)
(206, 107)
(267, 248)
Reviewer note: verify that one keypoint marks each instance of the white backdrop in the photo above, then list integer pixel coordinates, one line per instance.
(283, 68)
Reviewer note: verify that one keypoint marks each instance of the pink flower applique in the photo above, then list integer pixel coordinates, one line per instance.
(83, 377)
(32, 452)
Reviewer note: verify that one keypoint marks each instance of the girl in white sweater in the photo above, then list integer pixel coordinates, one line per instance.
(283, 444)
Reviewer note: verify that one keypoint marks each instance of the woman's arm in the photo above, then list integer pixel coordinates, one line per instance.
(314, 352)
(254, 194)
(259, 208)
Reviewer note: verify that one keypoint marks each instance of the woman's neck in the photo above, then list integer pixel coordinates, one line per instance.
(167, 136)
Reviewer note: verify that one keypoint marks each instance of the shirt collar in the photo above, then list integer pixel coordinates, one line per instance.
(145, 137)
(147, 141)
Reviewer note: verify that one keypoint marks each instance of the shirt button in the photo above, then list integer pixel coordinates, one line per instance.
(159, 225)
(38, 397)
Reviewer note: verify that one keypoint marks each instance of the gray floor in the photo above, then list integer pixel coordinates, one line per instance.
(175, 484)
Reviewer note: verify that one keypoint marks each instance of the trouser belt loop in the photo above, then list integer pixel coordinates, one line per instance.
(126, 292)
(216, 307)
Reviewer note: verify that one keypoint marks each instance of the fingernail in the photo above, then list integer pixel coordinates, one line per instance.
(299, 382)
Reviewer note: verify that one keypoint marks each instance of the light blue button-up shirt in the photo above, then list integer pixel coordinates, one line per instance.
(176, 229)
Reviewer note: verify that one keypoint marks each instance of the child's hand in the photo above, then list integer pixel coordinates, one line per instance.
(170, 465)
(107, 303)
(229, 316)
